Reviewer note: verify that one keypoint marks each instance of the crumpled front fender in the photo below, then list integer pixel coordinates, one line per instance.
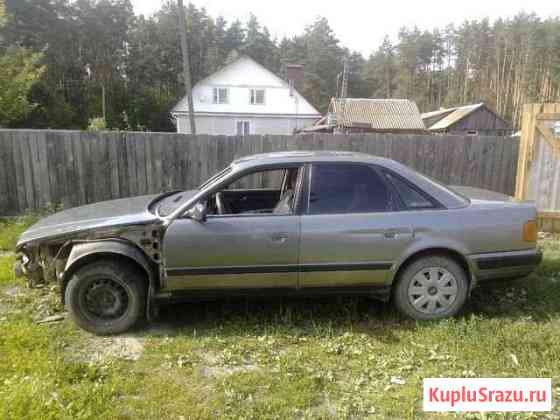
(105, 247)
(84, 252)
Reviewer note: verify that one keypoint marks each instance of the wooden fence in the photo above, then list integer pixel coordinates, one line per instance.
(41, 168)
(538, 170)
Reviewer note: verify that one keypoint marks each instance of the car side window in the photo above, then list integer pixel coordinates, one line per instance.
(411, 197)
(347, 188)
(271, 179)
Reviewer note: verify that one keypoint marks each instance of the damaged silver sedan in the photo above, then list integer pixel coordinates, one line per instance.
(286, 223)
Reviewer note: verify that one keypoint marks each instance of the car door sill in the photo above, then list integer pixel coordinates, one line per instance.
(374, 290)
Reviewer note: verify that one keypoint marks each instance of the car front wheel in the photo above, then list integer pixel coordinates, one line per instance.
(431, 288)
(106, 296)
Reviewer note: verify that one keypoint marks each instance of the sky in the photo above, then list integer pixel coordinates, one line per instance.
(361, 24)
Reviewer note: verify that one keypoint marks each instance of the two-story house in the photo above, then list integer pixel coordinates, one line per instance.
(245, 98)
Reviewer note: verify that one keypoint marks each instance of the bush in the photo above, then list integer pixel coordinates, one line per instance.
(97, 124)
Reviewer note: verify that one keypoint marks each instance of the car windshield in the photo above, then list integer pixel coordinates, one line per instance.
(167, 204)
(216, 177)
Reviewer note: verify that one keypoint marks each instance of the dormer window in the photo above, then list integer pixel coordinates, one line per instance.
(220, 95)
(256, 97)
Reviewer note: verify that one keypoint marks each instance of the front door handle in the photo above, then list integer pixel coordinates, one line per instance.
(392, 233)
(279, 237)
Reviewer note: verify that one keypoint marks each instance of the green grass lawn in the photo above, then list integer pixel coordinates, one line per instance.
(326, 358)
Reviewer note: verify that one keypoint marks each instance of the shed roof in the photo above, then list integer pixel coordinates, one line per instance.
(453, 115)
(379, 114)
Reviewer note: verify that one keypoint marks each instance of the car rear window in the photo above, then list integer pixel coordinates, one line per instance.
(411, 197)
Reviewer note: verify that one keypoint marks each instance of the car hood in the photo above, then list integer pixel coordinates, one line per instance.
(125, 211)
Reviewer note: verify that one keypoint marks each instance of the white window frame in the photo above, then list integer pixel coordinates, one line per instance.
(220, 98)
(253, 96)
(248, 122)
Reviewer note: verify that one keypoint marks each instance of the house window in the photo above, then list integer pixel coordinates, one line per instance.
(243, 128)
(220, 96)
(256, 97)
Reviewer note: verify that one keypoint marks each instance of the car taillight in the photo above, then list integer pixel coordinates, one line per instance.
(530, 231)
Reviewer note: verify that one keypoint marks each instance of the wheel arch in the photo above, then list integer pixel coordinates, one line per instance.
(85, 253)
(449, 252)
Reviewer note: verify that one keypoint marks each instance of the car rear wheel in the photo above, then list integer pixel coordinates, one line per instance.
(107, 296)
(431, 288)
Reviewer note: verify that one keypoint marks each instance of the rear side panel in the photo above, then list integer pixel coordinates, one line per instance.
(483, 230)
(491, 226)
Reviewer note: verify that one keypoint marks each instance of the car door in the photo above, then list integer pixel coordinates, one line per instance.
(233, 251)
(351, 233)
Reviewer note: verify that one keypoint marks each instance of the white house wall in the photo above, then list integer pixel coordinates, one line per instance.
(227, 125)
(277, 100)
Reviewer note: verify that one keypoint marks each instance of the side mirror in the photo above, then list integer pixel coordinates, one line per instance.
(198, 212)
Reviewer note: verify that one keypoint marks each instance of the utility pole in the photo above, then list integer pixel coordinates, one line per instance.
(343, 95)
(344, 90)
(181, 22)
(103, 103)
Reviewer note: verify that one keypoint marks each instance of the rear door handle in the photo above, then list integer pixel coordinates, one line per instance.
(279, 237)
(390, 233)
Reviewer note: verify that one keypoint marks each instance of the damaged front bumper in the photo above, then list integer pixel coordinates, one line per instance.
(30, 269)
(19, 271)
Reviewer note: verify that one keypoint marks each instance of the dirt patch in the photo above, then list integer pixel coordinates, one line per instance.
(221, 371)
(158, 329)
(104, 349)
(213, 369)
(13, 291)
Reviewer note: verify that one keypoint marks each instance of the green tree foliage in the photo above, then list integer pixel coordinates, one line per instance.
(380, 72)
(320, 52)
(506, 64)
(19, 70)
(258, 44)
(88, 45)
(2, 13)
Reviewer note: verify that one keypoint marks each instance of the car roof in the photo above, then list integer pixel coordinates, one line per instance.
(307, 156)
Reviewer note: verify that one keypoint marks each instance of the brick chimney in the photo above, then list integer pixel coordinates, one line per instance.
(294, 74)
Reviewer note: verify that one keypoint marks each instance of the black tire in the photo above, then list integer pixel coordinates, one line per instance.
(408, 292)
(107, 296)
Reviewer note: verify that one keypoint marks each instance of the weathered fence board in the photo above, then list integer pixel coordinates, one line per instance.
(539, 163)
(43, 168)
